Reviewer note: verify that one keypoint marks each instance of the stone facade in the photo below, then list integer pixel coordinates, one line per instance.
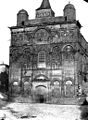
(48, 55)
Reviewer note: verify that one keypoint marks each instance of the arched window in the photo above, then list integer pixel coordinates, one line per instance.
(26, 85)
(69, 88)
(68, 52)
(68, 83)
(54, 65)
(42, 59)
(15, 87)
(56, 89)
(15, 83)
(56, 84)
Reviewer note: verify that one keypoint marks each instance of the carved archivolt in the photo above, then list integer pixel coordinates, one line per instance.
(41, 35)
(21, 38)
(17, 53)
(56, 55)
(55, 36)
(14, 54)
(56, 49)
(27, 52)
(68, 52)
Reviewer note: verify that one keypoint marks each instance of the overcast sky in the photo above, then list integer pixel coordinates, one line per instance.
(10, 8)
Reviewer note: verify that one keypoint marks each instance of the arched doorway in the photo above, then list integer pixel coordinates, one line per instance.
(41, 94)
(40, 88)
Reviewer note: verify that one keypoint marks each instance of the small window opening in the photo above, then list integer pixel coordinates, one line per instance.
(22, 22)
(66, 18)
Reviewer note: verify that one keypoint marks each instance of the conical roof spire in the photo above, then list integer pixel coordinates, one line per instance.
(45, 5)
(44, 10)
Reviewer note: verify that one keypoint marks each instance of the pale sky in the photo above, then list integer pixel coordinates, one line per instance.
(10, 8)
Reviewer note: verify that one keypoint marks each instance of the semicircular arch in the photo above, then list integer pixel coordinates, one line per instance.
(65, 46)
(68, 80)
(41, 76)
(41, 86)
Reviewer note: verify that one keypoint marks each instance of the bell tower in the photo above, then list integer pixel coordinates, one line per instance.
(44, 10)
(70, 12)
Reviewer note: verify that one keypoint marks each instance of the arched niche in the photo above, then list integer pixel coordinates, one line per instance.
(16, 87)
(69, 82)
(68, 53)
(26, 88)
(56, 49)
(56, 88)
(15, 83)
(41, 89)
(26, 54)
(56, 56)
(41, 78)
(56, 83)
(69, 88)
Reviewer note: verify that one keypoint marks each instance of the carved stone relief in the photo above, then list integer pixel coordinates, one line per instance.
(41, 35)
(22, 38)
(56, 56)
(14, 54)
(68, 35)
(55, 36)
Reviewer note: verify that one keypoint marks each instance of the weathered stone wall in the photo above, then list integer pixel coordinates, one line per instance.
(63, 64)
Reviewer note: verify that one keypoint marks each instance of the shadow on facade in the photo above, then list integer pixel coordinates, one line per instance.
(40, 98)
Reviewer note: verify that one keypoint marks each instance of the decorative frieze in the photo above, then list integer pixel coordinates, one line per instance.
(26, 29)
(22, 38)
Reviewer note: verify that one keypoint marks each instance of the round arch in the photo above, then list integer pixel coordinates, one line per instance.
(42, 49)
(66, 46)
(43, 28)
(68, 80)
(40, 86)
(69, 87)
(56, 48)
(41, 77)
(55, 81)
(68, 53)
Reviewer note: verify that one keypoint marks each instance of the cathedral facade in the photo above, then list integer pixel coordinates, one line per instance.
(48, 55)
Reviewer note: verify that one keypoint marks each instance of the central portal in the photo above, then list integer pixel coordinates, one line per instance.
(41, 86)
(40, 94)
(41, 98)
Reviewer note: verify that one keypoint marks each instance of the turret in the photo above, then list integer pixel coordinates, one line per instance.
(70, 12)
(22, 16)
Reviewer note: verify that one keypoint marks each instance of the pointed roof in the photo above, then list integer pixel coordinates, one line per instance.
(45, 5)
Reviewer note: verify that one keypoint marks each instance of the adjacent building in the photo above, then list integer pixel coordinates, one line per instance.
(48, 55)
(4, 78)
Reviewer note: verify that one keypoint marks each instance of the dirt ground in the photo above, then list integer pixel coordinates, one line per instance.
(27, 111)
